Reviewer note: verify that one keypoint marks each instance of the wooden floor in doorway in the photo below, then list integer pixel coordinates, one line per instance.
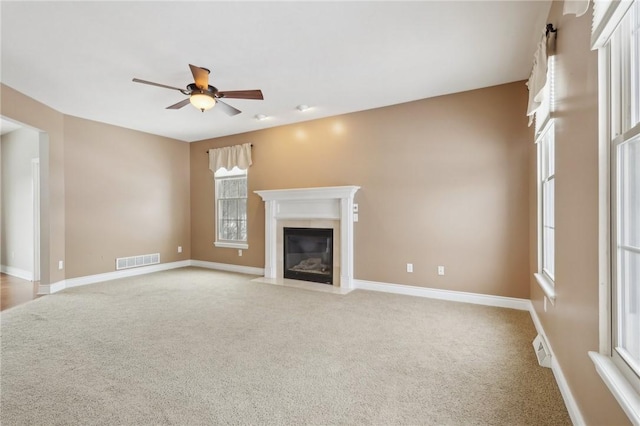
(16, 291)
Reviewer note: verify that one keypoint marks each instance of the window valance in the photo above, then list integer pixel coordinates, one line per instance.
(229, 157)
(538, 78)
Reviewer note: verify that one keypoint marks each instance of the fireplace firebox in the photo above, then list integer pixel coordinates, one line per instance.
(308, 254)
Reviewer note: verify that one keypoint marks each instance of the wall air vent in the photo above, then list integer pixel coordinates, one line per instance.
(136, 261)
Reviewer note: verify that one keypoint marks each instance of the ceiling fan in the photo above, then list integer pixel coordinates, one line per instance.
(203, 96)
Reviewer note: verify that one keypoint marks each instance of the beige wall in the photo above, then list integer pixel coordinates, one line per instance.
(444, 182)
(110, 191)
(572, 324)
(127, 193)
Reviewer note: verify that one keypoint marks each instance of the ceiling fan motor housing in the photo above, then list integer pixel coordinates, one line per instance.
(211, 91)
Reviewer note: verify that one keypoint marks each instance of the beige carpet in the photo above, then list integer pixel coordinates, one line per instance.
(193, 346)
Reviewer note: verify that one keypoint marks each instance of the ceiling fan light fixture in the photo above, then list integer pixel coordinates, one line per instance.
(202, 101)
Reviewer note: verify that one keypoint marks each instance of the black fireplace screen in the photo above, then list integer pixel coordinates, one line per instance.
(308, 254)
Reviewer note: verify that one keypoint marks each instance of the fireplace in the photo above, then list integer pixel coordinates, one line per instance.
(308, 254)
(326, 207)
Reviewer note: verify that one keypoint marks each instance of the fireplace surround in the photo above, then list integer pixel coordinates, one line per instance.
(325, 207)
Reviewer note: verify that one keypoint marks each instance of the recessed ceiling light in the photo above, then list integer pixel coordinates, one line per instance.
(302, 107)
(260, 117)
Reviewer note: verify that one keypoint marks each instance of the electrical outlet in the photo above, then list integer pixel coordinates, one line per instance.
(440, 270)
(240, 253)
(409, 267)
(60, 264)
(179, 249)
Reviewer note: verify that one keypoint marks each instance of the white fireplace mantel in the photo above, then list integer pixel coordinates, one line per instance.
(326, 203)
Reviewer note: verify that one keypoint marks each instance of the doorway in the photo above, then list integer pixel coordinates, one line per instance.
(21, 212)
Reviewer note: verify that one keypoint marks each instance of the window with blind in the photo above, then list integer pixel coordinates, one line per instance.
(547, 185)
(546, 210)
(616, 34)
(231, 208)
(545, 141)
(625, 177)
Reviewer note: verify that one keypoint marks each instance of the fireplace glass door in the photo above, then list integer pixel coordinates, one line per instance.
(308, 254)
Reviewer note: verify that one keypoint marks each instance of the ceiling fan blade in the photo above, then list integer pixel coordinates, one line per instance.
(228, 109)
(137, 80)
(242, 94)
(179, 104)
(200, 76)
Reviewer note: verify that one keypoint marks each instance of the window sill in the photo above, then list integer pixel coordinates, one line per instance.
(547, 287)
(228, 244)
(624, 393)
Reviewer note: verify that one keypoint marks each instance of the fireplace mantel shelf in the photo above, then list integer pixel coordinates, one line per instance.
(321, 193)
(333, 202)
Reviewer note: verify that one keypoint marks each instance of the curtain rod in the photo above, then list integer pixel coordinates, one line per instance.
(550, 29)
(251, 147)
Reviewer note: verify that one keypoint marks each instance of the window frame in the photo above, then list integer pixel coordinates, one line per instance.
(545, 127)
(545, 157)
(219, 176)
(616, 126)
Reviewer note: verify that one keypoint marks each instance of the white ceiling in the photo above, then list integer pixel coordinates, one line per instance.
(338, 57)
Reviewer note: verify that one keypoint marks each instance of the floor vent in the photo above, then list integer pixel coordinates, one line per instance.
(542, 351)
(136, 261)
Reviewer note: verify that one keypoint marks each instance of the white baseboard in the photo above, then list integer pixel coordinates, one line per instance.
(123, 273)
(249, 270)
(108, 276)
(565, 390)
(17, 272)
(454, 296)
(51, 288)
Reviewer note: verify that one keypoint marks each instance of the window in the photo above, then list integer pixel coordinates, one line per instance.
(625, 194)
(627, 253)
(546, 203)
(617, 36)
(231, 208)
(544, 128)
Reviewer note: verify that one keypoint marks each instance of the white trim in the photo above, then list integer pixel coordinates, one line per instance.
(607, 21)
(124, 273)
(604, 203)
(621, 389)
(35, 193)
(322, 193)
(563, 385)
(249, 270)
(454, 296)
(44, 289)
(233, 245)
(547, 286)
(17, 272)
